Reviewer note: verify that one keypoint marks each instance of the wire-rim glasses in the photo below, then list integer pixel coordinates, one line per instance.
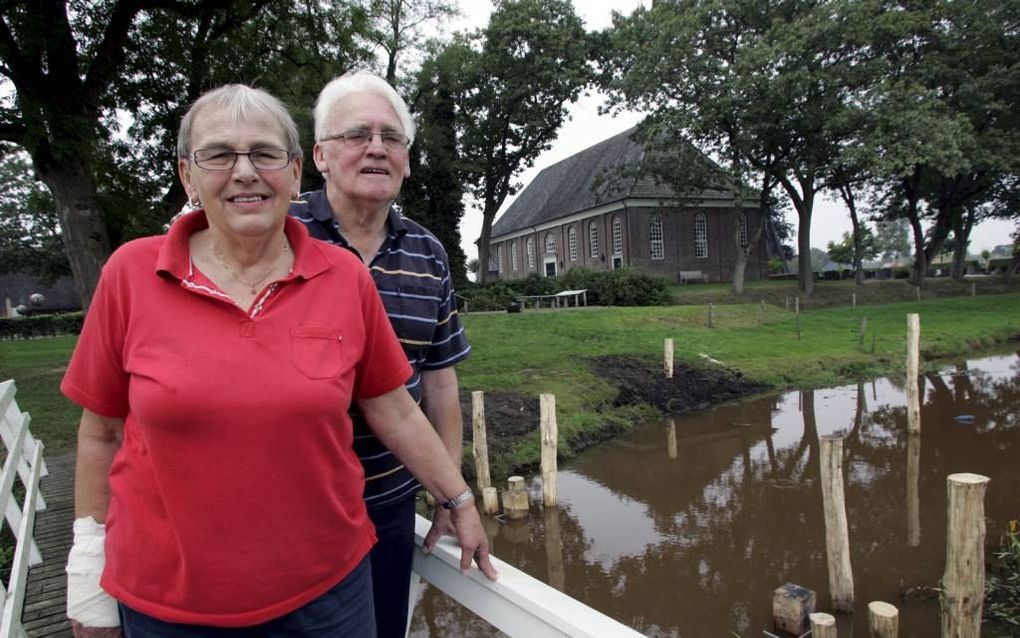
(361, 137)
(224, 159)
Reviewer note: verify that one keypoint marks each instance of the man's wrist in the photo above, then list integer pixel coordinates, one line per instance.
(459, 500)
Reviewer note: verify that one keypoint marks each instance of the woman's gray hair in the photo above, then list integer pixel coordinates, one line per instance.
(358, 82)
(242, 103)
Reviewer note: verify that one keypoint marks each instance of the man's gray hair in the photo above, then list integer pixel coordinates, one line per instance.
(242, 103)
(358, 82)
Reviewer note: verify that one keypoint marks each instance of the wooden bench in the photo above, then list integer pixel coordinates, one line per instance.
(688, 276)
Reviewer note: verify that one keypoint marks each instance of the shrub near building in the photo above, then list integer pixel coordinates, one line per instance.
(622, 287)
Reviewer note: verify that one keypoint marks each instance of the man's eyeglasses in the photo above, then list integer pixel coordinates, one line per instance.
(360, 137)
(223, 159)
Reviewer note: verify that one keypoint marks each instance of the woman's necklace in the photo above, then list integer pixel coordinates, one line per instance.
(251, 284)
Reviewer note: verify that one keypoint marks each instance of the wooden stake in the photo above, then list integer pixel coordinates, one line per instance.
(667, 358)
(964, 579)
(554, 549)
(490, 500)
(973, 289)
(515, 498)
(837, 539)
(913, 364)
(883, 620)
(797, 310)
(854, 297)
(860, 336)
(787, 303)
(479, 441)
(822, 625)
(761, 313)
(547, 407)
(711, 315)
(918, 289)
(913, 490)
(671, 448)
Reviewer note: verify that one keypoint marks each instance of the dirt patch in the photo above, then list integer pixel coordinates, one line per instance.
(511, 417)
(641, 381)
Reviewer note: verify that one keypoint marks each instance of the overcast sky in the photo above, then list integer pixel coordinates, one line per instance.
(586, 128)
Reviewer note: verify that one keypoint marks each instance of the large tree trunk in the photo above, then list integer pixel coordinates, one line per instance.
(962, 225)
(847, 193)
(488, 214)
(81, 222)
(744, 253)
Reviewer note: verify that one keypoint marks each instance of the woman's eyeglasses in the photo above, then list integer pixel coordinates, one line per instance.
(223, 159)
(360, 137)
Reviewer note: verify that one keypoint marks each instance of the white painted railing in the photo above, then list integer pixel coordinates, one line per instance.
(516, 604)
(24, 459)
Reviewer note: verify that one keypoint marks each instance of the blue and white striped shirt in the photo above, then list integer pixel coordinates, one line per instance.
(412, 273)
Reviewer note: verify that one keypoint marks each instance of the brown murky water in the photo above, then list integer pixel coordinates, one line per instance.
(686, 528)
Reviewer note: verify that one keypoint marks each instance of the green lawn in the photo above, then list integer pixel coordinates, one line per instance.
(548, 350)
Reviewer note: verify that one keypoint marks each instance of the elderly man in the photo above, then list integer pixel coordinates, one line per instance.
(362, 133)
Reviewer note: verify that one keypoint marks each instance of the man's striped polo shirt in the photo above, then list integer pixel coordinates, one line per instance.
(412, 273)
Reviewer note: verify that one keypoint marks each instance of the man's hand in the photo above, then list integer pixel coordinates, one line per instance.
(473, 541)
(442, 525)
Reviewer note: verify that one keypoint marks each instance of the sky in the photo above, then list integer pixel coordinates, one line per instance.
(586, 128)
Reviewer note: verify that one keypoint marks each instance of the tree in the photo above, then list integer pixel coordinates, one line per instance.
(854, 247)
(70, 70)
(759, 84)
(397, 26)
(515, 78)
(30, 240)
(892, 239)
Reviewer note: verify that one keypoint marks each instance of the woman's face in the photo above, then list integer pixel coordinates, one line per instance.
(240, 201)
(371, 174)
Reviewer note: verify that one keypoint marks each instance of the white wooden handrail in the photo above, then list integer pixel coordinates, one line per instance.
(24, 457)
(516, 604)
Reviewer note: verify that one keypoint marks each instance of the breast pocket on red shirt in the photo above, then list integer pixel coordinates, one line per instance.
(316, 351)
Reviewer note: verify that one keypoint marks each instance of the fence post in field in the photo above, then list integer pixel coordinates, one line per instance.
(964, 579)
(854, 300)
(822, 625)
(667, 358)
(761, 313)
(671, 448)
(479, 441)
(883, 620)
(918, 289)
(863, 331)
(490, 500)
(515, 498)
(837, 540)
(550, 439)
(913, 364)
(913, 490)
(711, 315)
(973, 289)
(797, 311)
(788, 303)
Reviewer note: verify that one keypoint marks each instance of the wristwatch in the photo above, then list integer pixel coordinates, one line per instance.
(458, 500)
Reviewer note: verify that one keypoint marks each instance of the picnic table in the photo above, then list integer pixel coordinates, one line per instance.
(557, 300)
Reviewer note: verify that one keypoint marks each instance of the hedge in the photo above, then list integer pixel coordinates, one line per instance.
(35, 326)
(621, 287)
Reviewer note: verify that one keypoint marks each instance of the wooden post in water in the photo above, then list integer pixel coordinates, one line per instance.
(913, 364)
(822, 625)
(550, 439)
(554, 548)
(667, 358)
(913, 490)
(479, 441)
(515, 498)
(837, 539)
(671, 448)
(711, 315)
(490, 500)
(964, 579)
(883, 620)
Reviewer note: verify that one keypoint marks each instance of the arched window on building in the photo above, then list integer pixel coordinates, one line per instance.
(743, 230)
(530, 248)
(572, 243)
(617, 236)
(700, 236)
(656, 245)
(513, 256)
(550, 243)
(593, 240)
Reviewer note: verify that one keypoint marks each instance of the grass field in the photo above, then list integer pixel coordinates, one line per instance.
(548, 350)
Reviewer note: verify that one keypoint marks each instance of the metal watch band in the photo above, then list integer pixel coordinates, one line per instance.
(458, 500)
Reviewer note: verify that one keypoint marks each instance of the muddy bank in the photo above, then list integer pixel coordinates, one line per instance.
(512, 419)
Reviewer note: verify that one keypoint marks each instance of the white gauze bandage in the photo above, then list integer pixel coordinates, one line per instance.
(87, 602)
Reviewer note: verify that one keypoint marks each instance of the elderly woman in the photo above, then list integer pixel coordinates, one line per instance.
(363, 131)
(217, 493)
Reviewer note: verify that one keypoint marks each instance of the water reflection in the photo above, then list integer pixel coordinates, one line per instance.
(684, 529)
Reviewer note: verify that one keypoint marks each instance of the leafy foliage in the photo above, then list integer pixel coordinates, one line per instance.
(622, 287)
(30, 239)
(1002, 587)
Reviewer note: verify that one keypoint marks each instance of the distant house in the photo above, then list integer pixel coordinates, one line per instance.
(586, 211)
